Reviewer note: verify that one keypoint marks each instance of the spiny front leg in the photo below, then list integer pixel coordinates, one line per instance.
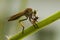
(34, 20)
(35, 25)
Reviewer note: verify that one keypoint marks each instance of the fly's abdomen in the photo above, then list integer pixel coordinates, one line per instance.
(13, 18)
(17, 16)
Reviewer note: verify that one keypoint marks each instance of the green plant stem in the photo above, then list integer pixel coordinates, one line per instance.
(41, 24)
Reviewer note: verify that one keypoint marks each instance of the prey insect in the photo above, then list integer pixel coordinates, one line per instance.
(29, 14)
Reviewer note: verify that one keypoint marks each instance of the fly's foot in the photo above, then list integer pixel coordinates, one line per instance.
(35, 25)
(23, 30)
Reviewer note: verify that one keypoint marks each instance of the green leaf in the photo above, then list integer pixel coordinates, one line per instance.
(41, 24)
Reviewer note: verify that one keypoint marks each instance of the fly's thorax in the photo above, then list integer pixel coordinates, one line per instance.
(28, 10)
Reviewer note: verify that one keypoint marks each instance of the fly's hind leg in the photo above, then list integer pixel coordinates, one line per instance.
(20, 21)
(21, 24)
(22, 27)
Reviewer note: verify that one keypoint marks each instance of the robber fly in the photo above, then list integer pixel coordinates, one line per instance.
(28, 13)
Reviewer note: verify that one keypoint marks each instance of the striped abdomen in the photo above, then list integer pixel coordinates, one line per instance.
(14, 17)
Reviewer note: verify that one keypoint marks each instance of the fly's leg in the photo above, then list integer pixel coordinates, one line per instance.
(33, 22)
(21, 24)
(20, 21)
(22, 27)
(23, 19)
(36, 25)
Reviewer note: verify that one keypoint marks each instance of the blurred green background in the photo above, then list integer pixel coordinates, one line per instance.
(44, 8)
